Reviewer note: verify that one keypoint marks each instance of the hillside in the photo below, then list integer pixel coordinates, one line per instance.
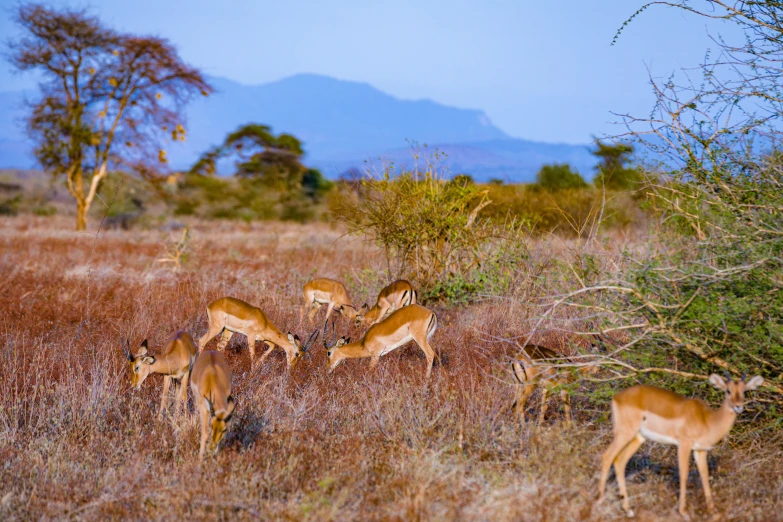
(342, 124)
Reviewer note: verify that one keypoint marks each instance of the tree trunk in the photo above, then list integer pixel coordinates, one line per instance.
(81, 215)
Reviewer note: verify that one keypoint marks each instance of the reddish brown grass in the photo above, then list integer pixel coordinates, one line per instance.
(76, 442)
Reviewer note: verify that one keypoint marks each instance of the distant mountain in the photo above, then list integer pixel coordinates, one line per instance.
(342, 124)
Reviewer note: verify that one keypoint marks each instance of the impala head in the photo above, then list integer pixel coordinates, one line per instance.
(361, 314)
(332, 350)
(735, 390)
(299, 348)
(139, 364)
(218, 421)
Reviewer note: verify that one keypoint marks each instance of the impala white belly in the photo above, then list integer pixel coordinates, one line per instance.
(322, 297)
(657, 437)
(396, 345)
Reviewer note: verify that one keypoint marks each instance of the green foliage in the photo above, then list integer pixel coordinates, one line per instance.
(258, 153)
(570, 212)
(250, 199)
(44, 210)
(10, 206)
(559, 176)
(430, 229)
(613, 170)
(463, 179)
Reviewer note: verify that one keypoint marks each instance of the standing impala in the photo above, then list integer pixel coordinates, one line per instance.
(536, 366)
(642, 413)
(329, 292)
(396, 295)
(211, 386)
(174, 363)
(229, 315)
(411, 323)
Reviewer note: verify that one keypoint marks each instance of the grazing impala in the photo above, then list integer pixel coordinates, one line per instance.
(642, 413)
(536, 366)
(329, 292)
(398, 294)
(229, 315)
(211, 385)
(174, 363)
(411, 323)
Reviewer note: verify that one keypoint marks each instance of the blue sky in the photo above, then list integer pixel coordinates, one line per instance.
(541, 70)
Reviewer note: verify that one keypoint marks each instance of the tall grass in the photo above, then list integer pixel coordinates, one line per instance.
(76, 442)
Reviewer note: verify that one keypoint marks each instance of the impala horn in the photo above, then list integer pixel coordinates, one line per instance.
(728, 377)
(744, 374)
(126, 350)
(310, 340)
(334, 335)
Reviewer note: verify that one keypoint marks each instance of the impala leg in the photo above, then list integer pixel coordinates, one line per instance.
(523, 394)
(544, 405)
(269, 348)
(183, 393)
(385, 309)
(429, 353)
(314, 307)
(683, 459)
(566, 398)
(619, 469)
(704, 473)
(225, 337)
(621, 440)
(329, 310)
(204, 427)
(166, 383)
(212, 332)
(251, 344)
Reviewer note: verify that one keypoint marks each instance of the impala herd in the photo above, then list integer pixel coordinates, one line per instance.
(639, 413)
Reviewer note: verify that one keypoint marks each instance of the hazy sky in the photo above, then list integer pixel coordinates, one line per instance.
(542, 70)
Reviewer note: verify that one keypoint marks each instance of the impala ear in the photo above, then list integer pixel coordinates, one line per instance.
(149, 359)
(754, 383)
(145, 344)
(291, 338)
(717, 381)
(231, 406)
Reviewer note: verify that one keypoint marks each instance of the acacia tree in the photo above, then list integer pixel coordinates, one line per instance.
(107, 99)
(258, 153)
(713, 297)
(613, 170)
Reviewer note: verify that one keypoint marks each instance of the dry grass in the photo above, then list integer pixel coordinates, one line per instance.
(76, 442)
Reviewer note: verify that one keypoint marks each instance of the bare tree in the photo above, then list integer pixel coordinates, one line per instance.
(711, 294)
(106, 99)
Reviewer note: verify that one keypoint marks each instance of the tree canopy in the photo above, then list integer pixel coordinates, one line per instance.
(258, 153)
(559, 176)
(107, 99)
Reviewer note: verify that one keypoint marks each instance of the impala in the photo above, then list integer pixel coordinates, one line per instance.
(229, 316)
(536, 366)
(411, 323)
(643, 412)
(329, 292)
(396, 295)
(173, 363)
(211, 386)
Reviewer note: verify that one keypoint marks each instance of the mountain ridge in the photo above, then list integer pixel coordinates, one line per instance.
(342, 123)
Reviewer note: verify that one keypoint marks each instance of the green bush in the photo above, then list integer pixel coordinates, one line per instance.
(559, 177)
(430, 229)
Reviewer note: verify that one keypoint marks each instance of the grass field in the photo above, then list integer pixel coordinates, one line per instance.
(77, 443)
